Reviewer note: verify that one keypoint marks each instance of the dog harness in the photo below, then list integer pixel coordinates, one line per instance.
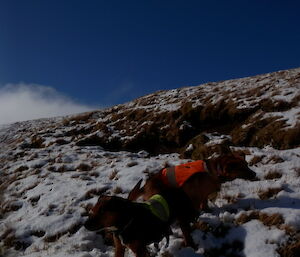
(159, 207)
(175, 176)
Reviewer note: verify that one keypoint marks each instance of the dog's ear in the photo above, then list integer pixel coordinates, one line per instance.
(225, 149)
(102, 195)
(136, 191)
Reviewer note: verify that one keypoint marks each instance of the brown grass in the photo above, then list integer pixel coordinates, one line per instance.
(61, 168)
(220, 230)
(203, 151)
(78, 119)
(10, 240)
(131, 164)
(22, 168)
(117, 190)
(34, 200)
(113, 175)
(38, 233)
(94, 192)
(269, 193)
(273, 175)
(256, 159)
(2, 186)
(275, 159)
(84, 167)
(297, 170)
(288, 229)
(269, 220)
(270, 131)
(231, 198)
(35, 142)
(290, 250)
(61, 141)
(165, 132)
(94, 174)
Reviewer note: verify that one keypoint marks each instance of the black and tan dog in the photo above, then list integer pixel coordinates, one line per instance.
(135, 225)
(199, 180)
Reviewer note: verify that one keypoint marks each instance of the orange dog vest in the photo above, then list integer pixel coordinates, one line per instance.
(176, 175)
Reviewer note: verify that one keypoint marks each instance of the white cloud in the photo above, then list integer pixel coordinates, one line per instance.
(19, 102)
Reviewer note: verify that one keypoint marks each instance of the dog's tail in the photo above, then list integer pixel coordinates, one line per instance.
(136, 192)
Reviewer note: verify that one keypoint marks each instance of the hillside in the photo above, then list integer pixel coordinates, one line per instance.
(52, 169)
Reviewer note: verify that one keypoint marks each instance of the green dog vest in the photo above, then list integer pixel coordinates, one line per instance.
(159, 207)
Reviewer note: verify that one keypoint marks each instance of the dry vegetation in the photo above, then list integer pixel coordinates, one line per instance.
(292, 248)
(142, 125)
(273, 175)
(275, 219)
(137, 127)
(269, 193)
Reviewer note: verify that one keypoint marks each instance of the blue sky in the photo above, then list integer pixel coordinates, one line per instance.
(103, 53)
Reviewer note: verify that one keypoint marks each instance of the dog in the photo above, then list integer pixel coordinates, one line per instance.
(135, 225)
(200, 181)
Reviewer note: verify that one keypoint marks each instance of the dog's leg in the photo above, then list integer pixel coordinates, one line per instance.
(119, 248)
(186, 231)
(204, 205)
(139, 249)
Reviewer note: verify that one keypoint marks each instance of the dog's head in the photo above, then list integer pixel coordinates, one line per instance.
(105, 213)
(232, 166)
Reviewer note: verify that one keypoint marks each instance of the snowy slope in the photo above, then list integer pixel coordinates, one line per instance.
(48, 178)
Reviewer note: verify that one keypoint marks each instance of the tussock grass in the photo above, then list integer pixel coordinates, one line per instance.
(256, 159)
(269, 220)
(269, 193)
(292, 249)
(78, 119)
(273, 175)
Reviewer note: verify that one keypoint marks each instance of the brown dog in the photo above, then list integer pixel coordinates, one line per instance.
(203, 179)
(135, 225)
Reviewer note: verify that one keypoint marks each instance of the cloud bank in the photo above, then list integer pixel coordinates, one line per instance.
(26, 102)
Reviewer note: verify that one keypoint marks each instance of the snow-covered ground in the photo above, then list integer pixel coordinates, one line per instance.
(48, 176)
(48, 189)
